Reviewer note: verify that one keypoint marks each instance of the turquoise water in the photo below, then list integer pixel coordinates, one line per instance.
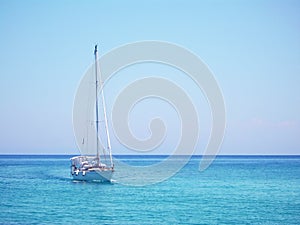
(233, 190)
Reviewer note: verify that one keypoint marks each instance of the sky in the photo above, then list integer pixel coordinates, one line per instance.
(252, 48)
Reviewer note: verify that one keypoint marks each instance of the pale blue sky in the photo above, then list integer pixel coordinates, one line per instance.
(253, 48)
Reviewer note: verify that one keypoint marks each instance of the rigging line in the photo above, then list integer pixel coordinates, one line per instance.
(100, 121)
(89, 123)
(105, 117)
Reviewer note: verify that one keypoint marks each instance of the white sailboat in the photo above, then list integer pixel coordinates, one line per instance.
(92, 167)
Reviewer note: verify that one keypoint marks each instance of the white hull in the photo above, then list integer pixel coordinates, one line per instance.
(87, 168)
(93, 175)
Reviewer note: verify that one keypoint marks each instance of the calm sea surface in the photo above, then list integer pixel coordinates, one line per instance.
(233, 190)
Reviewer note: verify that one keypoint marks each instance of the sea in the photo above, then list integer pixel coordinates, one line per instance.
(38, 189)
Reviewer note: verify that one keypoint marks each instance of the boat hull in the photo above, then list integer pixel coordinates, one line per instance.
(93, 175)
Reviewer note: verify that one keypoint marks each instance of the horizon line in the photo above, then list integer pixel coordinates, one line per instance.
(30, 154)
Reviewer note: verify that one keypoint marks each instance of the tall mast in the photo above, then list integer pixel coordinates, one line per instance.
(97, 119)
(105, 118)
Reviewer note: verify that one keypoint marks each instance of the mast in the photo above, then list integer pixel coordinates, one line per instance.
(105, 118)
(97, 119)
